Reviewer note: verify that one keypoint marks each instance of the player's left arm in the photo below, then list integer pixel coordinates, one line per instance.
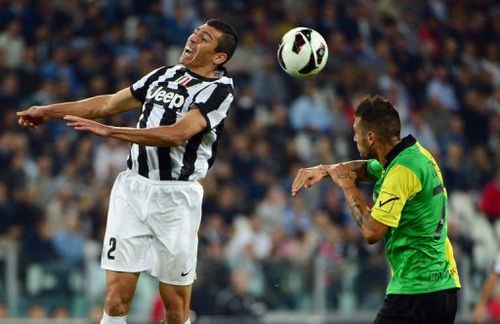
(192, 123)
(371, 229)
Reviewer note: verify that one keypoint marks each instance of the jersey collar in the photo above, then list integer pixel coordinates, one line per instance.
(218, 74)
(405, 143)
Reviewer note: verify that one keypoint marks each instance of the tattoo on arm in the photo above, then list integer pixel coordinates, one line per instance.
(357, 205)
(359, 167)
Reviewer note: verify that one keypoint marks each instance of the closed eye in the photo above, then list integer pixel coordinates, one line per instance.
(205, 36)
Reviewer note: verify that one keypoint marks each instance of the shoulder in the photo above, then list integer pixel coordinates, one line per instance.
(374, 168)
(172, 69)
(224, 78)
(414, 158)
(401, 172)
(404, 181)
(158, 72)
(222, 86)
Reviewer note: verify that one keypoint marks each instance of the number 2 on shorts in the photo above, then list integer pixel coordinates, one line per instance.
(112, 248)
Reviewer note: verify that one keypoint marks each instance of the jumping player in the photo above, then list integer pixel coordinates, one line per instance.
(155, 205)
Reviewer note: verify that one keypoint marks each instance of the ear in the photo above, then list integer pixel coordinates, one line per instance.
(370, 137)
(219, 58)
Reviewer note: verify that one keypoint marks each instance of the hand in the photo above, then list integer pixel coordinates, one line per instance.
(83, 124)
(307, 178)
(342, 175)
(32, 117)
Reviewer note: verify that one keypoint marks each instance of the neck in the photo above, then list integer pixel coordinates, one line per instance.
(383, 149)
(205, 71)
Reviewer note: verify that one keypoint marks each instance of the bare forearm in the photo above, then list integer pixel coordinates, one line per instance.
(356, 166)
(91, 108)
(157, 136)
(488, 288)
(357, 205)
(344, 175)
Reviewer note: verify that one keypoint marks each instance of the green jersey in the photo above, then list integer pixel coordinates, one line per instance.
(411, 200)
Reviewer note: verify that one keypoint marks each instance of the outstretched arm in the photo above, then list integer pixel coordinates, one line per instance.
(359, 167)
(172, 135)
(307, 177)
(344, 176)
(92, 108)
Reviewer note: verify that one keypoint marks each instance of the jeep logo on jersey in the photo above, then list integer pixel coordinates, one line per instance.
(170, 97)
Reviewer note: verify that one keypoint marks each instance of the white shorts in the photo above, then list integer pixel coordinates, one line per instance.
(153, 226)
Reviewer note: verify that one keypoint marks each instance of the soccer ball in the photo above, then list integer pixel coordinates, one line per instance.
(302, 52)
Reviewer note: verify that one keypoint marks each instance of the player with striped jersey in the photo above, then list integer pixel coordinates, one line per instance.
(409, 212)
(155, 205)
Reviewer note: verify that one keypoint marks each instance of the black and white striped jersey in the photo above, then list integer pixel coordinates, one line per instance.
(167, 94)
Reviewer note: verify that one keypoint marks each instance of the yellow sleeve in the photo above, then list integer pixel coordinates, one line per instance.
(400, 184)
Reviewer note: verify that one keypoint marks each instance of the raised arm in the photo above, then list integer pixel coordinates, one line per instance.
(192, 123)
(307, 177)
(345, 175)
(359, 167)
(92, 108)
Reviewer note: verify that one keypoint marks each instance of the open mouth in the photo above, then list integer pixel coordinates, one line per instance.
(188, 52)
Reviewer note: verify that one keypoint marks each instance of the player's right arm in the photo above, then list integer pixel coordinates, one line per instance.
(480, 311)
(307, 177)
(360, 167)
(91, 108)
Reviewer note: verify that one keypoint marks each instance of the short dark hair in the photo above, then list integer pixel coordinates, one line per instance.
(379, 115)
(228, 42)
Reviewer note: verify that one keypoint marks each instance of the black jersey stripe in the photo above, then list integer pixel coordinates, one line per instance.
(142, 158)
(140, 93)
(218, 132)
(193, 82)
(214, 99)
(165, 164)
(189, 157)
(129, 161)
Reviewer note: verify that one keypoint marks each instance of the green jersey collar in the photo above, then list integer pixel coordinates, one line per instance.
(405, 143)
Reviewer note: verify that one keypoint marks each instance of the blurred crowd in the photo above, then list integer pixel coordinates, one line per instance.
(260, 250)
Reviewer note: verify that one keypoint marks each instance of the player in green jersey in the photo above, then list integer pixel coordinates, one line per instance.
(409, 212)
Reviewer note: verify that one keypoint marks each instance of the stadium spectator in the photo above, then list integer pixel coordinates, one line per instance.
(490, 198)
(441, 90)
(12, 43)
(236, 300)
(310, 111)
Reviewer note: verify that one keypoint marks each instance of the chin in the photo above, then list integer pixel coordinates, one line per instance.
(366, 155)
(185, 61)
